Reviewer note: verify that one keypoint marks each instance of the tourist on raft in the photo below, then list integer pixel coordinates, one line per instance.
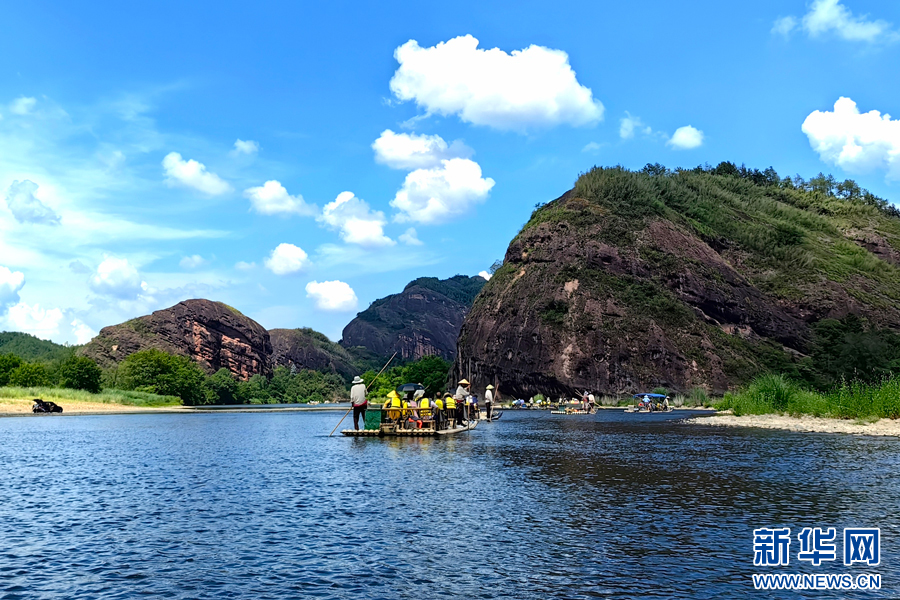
(451, 409)
(358, 401)
(393, 402)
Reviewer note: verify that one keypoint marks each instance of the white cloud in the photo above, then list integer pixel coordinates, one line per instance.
(286, 259)
(357, 223)
(411, 238)
(192, 262)
(22, 105)
(856, 142)
(686, 138)
(10, 284)
(273, 199)
(332, 295)
(35, 320)
(244, 266)
(246, 147)
(411, 151)
(831, 17)
(534, 87)
(784, 25)
(192, 174)
(83, 333)
(435, 195)
(591, 147)
(118, 278)
(25, 206)
(487, 276)
(628, 125)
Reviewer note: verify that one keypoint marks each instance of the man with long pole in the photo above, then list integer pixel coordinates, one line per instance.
(367, 389)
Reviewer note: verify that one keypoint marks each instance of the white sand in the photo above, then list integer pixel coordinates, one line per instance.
(888, 427)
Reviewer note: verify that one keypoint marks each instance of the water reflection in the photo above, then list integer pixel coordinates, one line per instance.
(268, 506)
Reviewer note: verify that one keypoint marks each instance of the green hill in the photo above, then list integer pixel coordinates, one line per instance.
(702, 277)
(32, 349)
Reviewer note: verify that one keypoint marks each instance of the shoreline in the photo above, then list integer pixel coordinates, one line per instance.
(802, 424)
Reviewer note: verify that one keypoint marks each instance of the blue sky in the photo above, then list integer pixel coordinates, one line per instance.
(299, 162)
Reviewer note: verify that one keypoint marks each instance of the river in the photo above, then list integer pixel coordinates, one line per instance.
(533, 506)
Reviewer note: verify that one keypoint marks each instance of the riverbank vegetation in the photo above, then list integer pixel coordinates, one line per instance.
(776, 394)
(65, 395)
(156, 378)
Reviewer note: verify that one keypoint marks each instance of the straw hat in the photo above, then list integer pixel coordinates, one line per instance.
(463, 382)
(392, 394)
(357, 379)
(489, 387)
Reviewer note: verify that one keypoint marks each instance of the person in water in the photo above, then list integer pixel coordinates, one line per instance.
(358, 401)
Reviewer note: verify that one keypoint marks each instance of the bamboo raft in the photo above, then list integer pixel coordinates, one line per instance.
(389, 422)
(390, 431)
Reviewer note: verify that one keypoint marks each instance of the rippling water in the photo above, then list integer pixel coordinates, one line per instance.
(533, 506)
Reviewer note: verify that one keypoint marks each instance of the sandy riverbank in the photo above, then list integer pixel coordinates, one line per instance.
(22, 406)
(887, 427)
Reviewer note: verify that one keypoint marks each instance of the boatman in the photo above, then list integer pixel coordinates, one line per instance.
(489, 401)
(358, 401)
(462, 392)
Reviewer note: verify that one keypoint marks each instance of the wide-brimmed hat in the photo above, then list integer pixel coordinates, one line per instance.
(392, 394)
(463, 382)
(489, 387)
(448, 395)
(357, 379)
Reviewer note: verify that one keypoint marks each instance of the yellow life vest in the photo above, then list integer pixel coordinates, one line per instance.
(424, 407)
(439, 403)
(451, 402)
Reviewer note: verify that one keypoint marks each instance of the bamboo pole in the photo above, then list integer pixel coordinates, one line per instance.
(367, 389)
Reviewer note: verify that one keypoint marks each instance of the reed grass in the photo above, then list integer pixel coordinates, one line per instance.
(776, 394)
(110, 396)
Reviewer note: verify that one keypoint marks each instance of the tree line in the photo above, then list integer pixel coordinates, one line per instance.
(157, 372)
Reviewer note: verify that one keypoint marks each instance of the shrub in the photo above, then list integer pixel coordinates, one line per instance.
(29, 375)
(80, 373)
(8, 363)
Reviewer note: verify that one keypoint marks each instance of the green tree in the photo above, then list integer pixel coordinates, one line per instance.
(80, 373)
(8, 363)
(166, 374)
(29, 375)
(223, 387)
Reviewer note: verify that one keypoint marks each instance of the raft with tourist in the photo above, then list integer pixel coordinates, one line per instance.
(648, 403)
(408, 412)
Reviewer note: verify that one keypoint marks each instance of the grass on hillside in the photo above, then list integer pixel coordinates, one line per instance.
(59, 395)
(775, 394)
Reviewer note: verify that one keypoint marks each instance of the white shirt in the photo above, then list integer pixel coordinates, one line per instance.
(488, 396)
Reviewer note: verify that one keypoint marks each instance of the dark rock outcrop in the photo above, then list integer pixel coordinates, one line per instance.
(309, 349)
(424, 319)
(213, 334)
(629, 282)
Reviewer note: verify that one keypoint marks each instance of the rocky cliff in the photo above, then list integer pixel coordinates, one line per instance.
(308, 349)
(424, 319)
(213, 334)
(683, 279)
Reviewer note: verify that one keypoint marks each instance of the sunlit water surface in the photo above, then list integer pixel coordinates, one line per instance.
(533, 506)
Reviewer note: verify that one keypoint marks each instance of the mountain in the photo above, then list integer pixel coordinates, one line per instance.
(30, 348)
(308, 349)
(212, 333)
(424, 319)
(692, 278)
